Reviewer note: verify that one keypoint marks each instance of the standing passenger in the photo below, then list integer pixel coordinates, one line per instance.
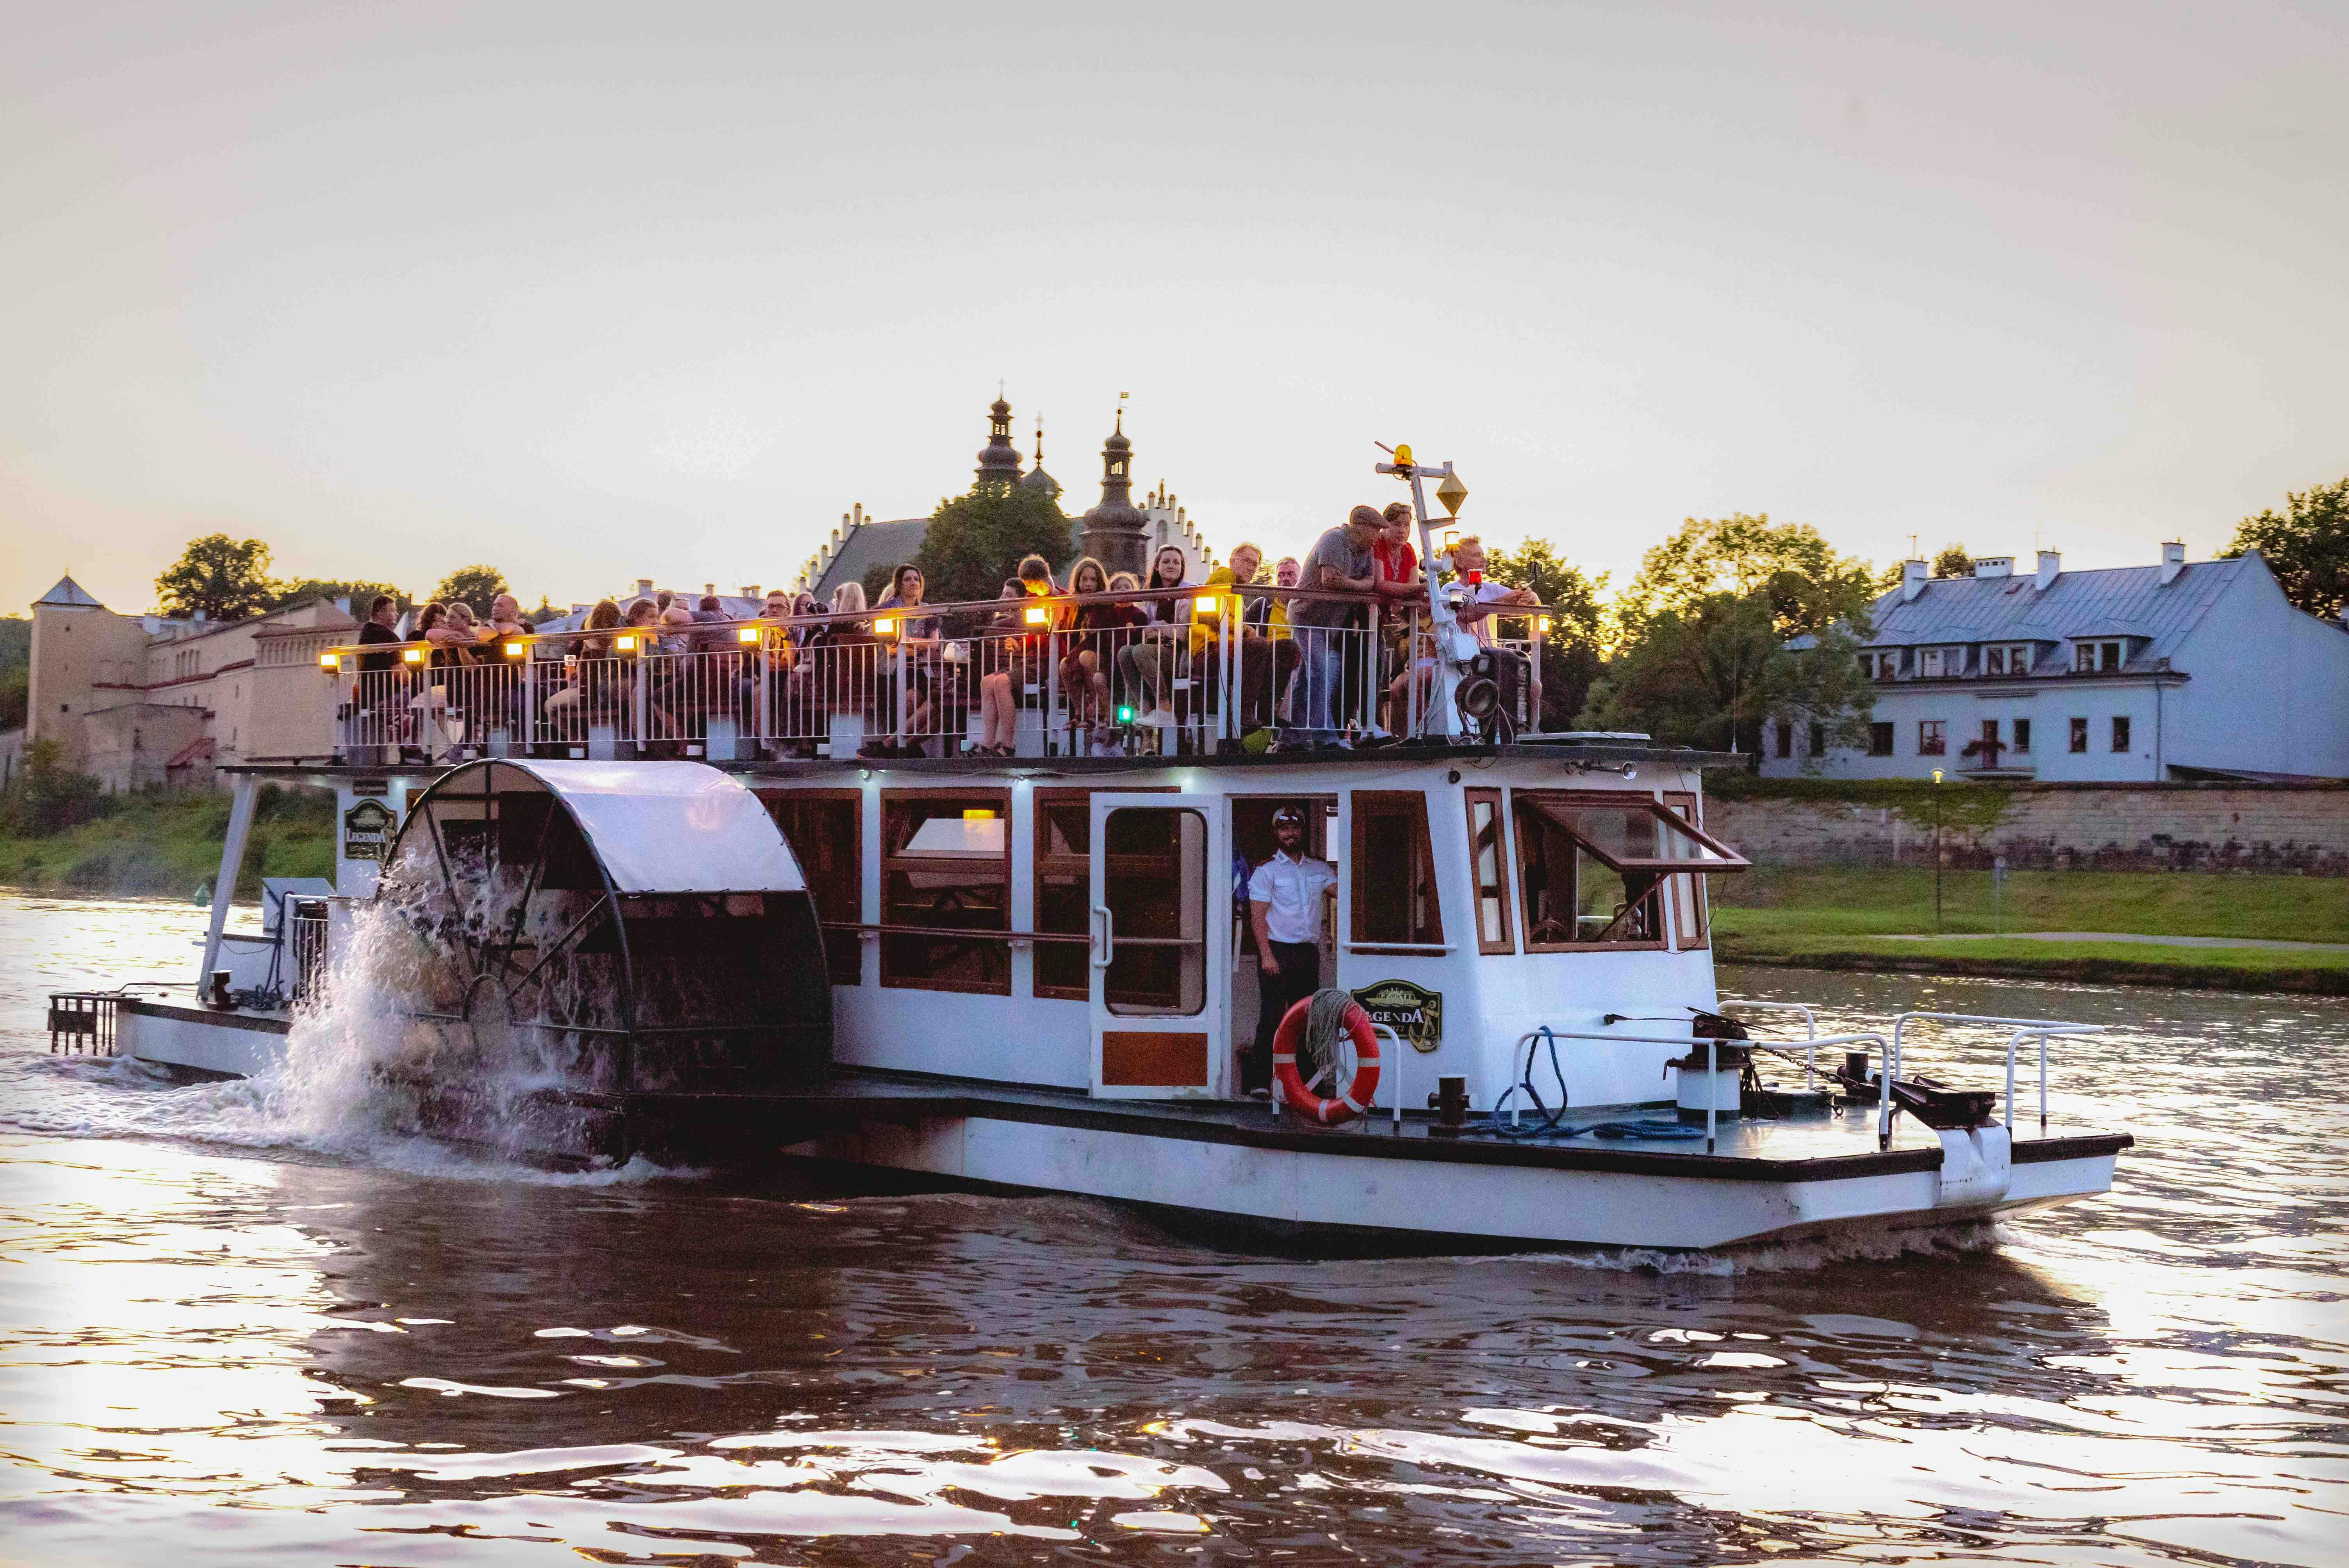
(1285, 913)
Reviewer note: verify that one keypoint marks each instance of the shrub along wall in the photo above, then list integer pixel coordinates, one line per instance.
(2088, 826)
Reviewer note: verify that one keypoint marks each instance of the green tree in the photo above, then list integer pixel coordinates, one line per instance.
(1573, 644)
(360, 594)
(1715, 673)
(46, 797)
(1809, 585)
(975, 540)
(222, 578)
(15, 669)
(474, 585)
(1953, 561)
(2306, 545)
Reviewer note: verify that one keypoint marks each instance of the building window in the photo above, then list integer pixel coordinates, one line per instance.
(1398, 904)
(945, 890)
(1932, 738)
(1786, 740)
(1994, 661)
(2097, 658)
(2018, 658)
(1818, 739)
(1929, 664)
(2022, 735)
(1879, 737)
(825, 830)
(1591, 869)
(1488, 865)
(2079, 735)
(2120, 735)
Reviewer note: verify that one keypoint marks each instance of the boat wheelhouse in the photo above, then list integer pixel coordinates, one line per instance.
(1036, 971)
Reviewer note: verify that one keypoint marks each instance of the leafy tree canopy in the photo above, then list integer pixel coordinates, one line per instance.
(2306, 545)
(1573, 644)
(1953, 561)
(975, 540)
(1713, 672)
(1808, 586)
(224, 578)
(474, 585)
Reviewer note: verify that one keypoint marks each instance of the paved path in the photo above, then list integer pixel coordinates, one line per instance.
(2117, 936)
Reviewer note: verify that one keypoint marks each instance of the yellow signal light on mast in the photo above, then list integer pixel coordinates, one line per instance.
(1402, 455)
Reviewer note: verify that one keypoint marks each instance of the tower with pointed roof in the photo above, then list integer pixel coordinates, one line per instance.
(1113, 530)
(998, 460)
(1037, 479)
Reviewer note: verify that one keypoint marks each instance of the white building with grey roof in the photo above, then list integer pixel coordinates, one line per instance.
(2181, 670)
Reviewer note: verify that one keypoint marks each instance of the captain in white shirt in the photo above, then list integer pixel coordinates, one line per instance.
(1285, 901)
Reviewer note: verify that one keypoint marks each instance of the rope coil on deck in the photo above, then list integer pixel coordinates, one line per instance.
(1313, 1027)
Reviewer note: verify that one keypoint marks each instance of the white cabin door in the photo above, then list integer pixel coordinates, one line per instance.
(1161, 956)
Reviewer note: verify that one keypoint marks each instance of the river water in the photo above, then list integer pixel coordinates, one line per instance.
(232, 1335)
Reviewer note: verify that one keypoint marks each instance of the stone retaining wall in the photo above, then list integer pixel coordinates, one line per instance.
(2116, 827)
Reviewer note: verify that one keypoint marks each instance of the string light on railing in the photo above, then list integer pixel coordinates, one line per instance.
(747, 634)
(1039, 616)
(515, 650)
(412, 655)
(886, 626)
(626, 644)
(330, 661)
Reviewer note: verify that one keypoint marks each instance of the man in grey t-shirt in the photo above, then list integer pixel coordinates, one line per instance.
(1341, 561)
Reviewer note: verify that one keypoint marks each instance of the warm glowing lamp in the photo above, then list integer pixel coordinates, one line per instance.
(1039, 616)
(1204, 605)
(330, 661)
(626, 644)
(886, 626)
(978, 815)
(747, 634)
(1402, 456)
(514, 650)
(412, 655)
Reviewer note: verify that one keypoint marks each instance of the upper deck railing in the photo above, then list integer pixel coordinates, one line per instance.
(1169, 671)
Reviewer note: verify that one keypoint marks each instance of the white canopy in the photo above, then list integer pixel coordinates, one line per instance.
(672, 827)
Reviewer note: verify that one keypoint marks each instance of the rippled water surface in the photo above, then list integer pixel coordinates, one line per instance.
(230, 1344)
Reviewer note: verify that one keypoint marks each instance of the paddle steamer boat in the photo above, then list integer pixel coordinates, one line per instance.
(732, 896)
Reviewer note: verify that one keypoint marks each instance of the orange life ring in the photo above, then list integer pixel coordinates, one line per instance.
(1356, 1097)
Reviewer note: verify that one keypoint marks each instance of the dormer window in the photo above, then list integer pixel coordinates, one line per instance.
(2101, 657)
(2006, 659)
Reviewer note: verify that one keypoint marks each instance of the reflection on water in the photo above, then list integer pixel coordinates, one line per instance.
(292, 1356)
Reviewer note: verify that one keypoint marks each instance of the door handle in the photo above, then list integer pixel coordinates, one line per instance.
(1100, 953)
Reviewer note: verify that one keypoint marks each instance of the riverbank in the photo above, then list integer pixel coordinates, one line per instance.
(170, 844)
(1870, 920)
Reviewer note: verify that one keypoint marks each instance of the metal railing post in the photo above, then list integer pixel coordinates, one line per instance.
(1711, 1078)
(640, 690)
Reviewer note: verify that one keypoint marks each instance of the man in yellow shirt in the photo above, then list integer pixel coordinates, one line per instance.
(1267, 652)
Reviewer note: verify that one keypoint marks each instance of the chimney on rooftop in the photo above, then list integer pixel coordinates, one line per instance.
(2051, 567)
(644, 587)
(1995, 566)
(2173, 560)
(1912, 578)
(750, 591)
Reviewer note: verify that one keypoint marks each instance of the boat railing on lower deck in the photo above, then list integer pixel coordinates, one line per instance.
(2021, 1030)
(1711, 1055)
(1207, 672)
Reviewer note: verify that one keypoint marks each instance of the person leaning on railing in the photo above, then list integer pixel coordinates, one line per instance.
(1341, 561)
(1089, 650)
(1266, 659)
(918, 642)
(595, 687)
(1147, 661)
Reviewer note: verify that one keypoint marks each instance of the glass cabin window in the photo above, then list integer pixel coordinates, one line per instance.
(1394, 897)
(1488, 866)
(1690, 924)
(1063, 872)
(825, 829)
(1591, 868)
(945, 890)
(1155, 878)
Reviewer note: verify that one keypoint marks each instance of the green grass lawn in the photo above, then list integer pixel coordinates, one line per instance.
(1843, 918)
(170, 845)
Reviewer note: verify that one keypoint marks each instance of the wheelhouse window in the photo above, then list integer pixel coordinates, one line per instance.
(1488, 866)
(826, 832)
(1396, 901)
(945, 890)
(1592, 868)
(1691, 926)
(1932, 738)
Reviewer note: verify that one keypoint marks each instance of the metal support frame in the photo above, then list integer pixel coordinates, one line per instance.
(240, 827)
(1711, 1053)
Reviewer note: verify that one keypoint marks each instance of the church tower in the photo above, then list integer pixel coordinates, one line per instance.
(1113, 530)
(998, 460)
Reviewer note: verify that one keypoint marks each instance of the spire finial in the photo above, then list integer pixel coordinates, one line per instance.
(1040, 437)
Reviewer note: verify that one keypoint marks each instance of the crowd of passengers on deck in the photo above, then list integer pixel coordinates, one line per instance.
(1143, 660)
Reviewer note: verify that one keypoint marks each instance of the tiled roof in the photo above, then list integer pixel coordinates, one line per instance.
(2111, 602)
(869, 545)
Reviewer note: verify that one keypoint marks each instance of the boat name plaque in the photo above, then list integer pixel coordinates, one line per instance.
(367, 829)
(1413, 1012)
